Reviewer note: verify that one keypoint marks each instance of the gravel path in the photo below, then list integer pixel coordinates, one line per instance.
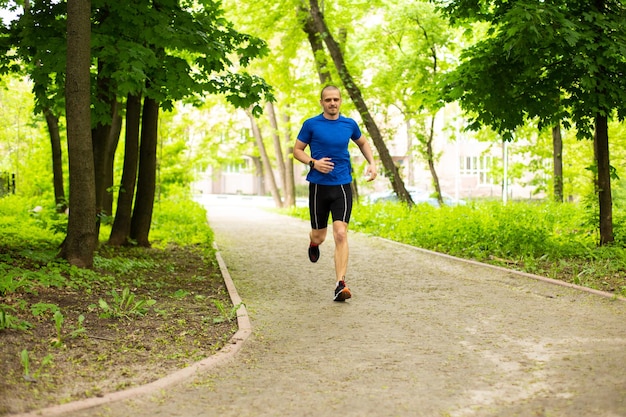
(423, 335)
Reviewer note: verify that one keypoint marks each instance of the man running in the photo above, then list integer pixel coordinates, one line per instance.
(328, 136)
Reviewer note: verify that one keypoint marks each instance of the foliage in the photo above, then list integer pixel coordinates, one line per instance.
(30, 241)
(541, 59)
(175, 153)
(411, 43)
(224, 313)
(22, 152)
(24, 217)
(45, 306)
(59, 319)
(9, 321)
(169, 217)
(124, 305)
(185, 51)
(25, 360)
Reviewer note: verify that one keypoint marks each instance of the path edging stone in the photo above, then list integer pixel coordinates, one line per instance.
(500, 268)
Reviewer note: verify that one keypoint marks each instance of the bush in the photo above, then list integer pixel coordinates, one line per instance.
(180, 221)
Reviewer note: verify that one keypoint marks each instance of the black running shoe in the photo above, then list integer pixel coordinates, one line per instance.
(342, 293)
(314, 252)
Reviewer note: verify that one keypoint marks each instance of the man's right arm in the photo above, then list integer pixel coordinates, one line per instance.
(299, 154)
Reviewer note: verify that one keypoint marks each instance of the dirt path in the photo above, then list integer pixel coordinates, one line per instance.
(423, 335)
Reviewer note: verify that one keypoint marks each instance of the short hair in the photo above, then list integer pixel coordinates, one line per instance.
(329, 87)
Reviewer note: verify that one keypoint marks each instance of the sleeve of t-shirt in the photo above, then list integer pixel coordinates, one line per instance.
(356, 132)
(305, 133)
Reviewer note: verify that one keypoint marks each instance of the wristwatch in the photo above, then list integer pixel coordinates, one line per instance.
(312, 163)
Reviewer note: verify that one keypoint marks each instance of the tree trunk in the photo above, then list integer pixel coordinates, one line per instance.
(120, 232)
(278, 149)
(391, 170)
(430, 156)
(57, 161)
(557, 161)
(258, 174)
(146, 180)
(601, 147)
(317, 45)
(290, 186)
(601, 150)
(80, 242)
(267, 166)
(102, 135)
(109, 170)
(409, 151)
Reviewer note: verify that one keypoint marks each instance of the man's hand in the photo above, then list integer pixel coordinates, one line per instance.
(370, 173)
(324, 165)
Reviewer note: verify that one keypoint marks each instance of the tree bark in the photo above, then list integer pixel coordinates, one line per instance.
(57, 161)
(290, 186)
(102, 135)
(258, 174)
(601, 150)
(81, 240)
(278, 149)
(120, 232)
(267, 166)
(390, 168)
(601, 147)
(409, 150)
(430, 154)
(557, 161)
(109, 170)
(317, 45)
(146, 180)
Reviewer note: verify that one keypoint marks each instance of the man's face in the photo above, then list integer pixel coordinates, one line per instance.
(331, 101)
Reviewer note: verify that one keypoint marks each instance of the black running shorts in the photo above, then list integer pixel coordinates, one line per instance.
(329, 199)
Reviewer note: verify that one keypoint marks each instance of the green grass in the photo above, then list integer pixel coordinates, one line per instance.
(554, 240)
(31, 232)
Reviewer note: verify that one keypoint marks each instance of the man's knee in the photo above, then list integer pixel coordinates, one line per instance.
(340, 232)
(318, 235)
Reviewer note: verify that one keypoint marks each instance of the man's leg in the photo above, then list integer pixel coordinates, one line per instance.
(340, 233)
(318, 236)
(318, 212)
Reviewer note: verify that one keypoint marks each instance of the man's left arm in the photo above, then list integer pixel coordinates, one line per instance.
(366, 150)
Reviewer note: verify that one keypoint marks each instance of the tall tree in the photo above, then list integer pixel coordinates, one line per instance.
(80, 242)
(266, 166)
(146, 178)
(205, 55)
(279, 25)
(120, 231)
(316, 42)
(555, 61)
(557, 162)
(290, 187)
(52, 122)
(391, 170)
(412, 45)
(278, 151)
(40, 29)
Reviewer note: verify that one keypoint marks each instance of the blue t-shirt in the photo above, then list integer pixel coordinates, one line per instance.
(330, 139)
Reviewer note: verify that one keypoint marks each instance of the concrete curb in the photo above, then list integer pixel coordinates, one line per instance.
(499, 268)
(226, 354)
